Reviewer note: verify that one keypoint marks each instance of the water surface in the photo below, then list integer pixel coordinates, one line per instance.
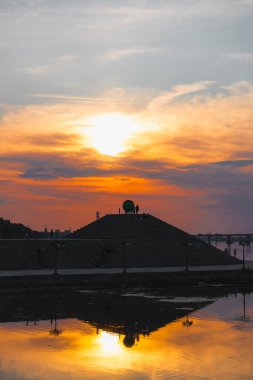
(236, 249)
(135, 335)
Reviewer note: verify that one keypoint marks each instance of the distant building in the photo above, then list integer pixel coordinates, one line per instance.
(55, 234)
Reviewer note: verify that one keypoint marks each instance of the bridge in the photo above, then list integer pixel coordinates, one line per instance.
(224, 236)
(229, 239)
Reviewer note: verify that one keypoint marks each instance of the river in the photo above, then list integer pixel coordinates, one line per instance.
(132, 334)
(236, 249)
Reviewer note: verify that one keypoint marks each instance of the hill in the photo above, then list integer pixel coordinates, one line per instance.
(10, 230)
(144, 240)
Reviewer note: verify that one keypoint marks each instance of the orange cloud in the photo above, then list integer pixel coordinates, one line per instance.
(192, 145)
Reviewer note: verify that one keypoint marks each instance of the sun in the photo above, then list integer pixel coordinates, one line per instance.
(109, 133)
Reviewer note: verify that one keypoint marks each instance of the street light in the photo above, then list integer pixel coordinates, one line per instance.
(187, 245)
(187, 322)
(55, 331)
(125, 245)
(244, 317)
(243, 243)
(229, 242)
(56, 246)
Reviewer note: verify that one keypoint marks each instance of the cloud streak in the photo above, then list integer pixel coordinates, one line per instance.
(177, 92)
(125, 53)
(247, 56)
(60, 63)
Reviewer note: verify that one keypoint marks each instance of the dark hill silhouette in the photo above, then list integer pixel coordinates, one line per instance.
(9, 230)
(114, 241)
(145, 240)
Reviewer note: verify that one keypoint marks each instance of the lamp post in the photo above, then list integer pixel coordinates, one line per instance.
(187, 245)
(187, 322)
(125, 245)
(229, 242)
(243, 243)
(55, 331)
(56, 246)
(248, 239)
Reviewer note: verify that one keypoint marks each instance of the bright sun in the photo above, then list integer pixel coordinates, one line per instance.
(109, 133)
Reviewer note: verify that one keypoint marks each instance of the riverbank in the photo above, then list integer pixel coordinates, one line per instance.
(116, 278)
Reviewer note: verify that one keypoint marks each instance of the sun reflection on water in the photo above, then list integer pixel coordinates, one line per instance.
(109, 343)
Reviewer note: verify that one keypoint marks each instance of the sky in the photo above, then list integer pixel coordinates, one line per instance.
(107, 100)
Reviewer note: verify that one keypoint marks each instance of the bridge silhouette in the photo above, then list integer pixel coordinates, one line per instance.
(229, 239)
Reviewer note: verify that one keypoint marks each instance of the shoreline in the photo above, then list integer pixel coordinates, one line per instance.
(151, 280)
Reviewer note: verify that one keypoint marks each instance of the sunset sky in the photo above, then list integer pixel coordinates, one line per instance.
(107, 100)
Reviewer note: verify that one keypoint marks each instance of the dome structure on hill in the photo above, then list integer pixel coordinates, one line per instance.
(142, 240)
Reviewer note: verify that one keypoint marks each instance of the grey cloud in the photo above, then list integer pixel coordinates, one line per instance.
(3, 201)
(243, 204)
(216, 176)
(220, 175)
(236, 163)
(52, 166)
(229, 163)
(91, 29)
(59, 172)
(224, 189)
(47, 173)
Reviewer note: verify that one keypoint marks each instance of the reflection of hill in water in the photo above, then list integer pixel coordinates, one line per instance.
(132, 316)
(122, 314)
(127, 314)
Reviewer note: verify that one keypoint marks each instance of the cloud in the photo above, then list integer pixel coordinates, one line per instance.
(248, 56)
(192, 152)
(236, 163)
(3, 201)
(59, 140)
(52, 173)
(38, 70)
(56, 47)
(59, 63)
(177, 92)
(215, 175)
(180, 10)
(237, 88)
(125, 53)
(78, 99)
(162, 63)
